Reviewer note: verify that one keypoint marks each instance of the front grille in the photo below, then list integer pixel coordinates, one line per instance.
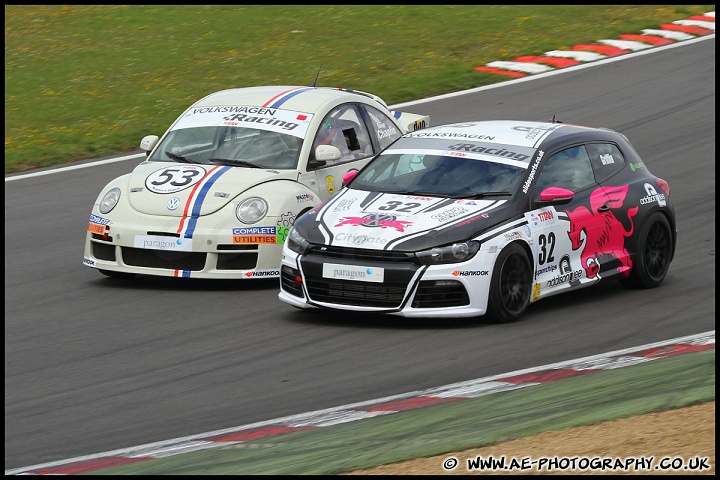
(360, 255)
(103, 251)
(355, 293)
(140, 257)
(289, 281)
(436, 294)
(233, 246)
(237, 261)
(399, 271)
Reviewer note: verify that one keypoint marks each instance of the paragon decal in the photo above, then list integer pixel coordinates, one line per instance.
(353, 272)
(155, 242)
(533, 169)
(500, 152)
(376, 220)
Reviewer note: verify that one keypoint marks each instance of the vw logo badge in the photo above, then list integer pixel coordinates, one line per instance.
(173, 203)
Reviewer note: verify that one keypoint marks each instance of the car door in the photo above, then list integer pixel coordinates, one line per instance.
(343, 128)
(566, 237)
(359, 131)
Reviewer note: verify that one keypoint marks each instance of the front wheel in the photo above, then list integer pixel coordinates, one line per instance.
(653, 255)
(510, 285)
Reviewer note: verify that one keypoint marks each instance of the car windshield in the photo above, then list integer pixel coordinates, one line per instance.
(439, 175)
(230, 145)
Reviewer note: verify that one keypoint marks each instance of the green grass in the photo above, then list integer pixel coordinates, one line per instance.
(83, 81)
(655, 386)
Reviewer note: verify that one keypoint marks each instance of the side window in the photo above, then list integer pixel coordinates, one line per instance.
(569, 168)
(382, 127)
(343, 128)
(606, 160)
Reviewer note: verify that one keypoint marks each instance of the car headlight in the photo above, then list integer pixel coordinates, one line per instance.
(109, 201)
(296, 242)
(251, 210)
(455, 253)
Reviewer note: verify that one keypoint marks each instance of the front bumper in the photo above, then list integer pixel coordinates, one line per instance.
(408, 289)
(149, 248)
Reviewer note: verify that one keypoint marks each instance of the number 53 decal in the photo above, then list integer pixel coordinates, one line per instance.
(175, 178)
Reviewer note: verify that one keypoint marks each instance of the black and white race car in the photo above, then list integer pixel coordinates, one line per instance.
(480, 218)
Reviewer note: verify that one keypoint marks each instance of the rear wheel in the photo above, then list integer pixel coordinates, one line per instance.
(510, 285)
(653, 255)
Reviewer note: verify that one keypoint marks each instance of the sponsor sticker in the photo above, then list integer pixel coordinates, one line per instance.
(353, 272)
(169, 244)
(88, 261)
(254, 231)
(175, 178)
(99, 220)
(96, 229)
(254, 239)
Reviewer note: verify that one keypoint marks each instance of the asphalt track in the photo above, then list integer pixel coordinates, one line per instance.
(94, 365)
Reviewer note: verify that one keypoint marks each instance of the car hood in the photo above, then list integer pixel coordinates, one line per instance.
(177, 189)
(389, 221)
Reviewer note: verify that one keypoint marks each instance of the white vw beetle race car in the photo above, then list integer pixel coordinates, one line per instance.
(218, 193)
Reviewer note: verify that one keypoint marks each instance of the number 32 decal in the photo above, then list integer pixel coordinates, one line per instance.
(173, 179)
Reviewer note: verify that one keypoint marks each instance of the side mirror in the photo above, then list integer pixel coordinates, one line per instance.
(327, 153)
(148, 143)
(555, 196)
(349, 175)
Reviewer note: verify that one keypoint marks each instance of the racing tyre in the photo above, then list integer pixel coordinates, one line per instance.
(653, 254)
(510, 285)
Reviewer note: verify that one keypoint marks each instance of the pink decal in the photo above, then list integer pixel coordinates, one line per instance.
(604, 233)
(375, 221)
(350, 221)
(398, 225)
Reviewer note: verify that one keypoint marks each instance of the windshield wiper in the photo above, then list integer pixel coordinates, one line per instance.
(410, 192)
(482, 195)
(234, 163)
(179, 158)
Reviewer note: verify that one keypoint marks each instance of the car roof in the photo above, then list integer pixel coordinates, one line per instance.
(298, 98)
(509, 132)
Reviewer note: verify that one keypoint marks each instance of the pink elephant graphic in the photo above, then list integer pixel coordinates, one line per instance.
(604, 233)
